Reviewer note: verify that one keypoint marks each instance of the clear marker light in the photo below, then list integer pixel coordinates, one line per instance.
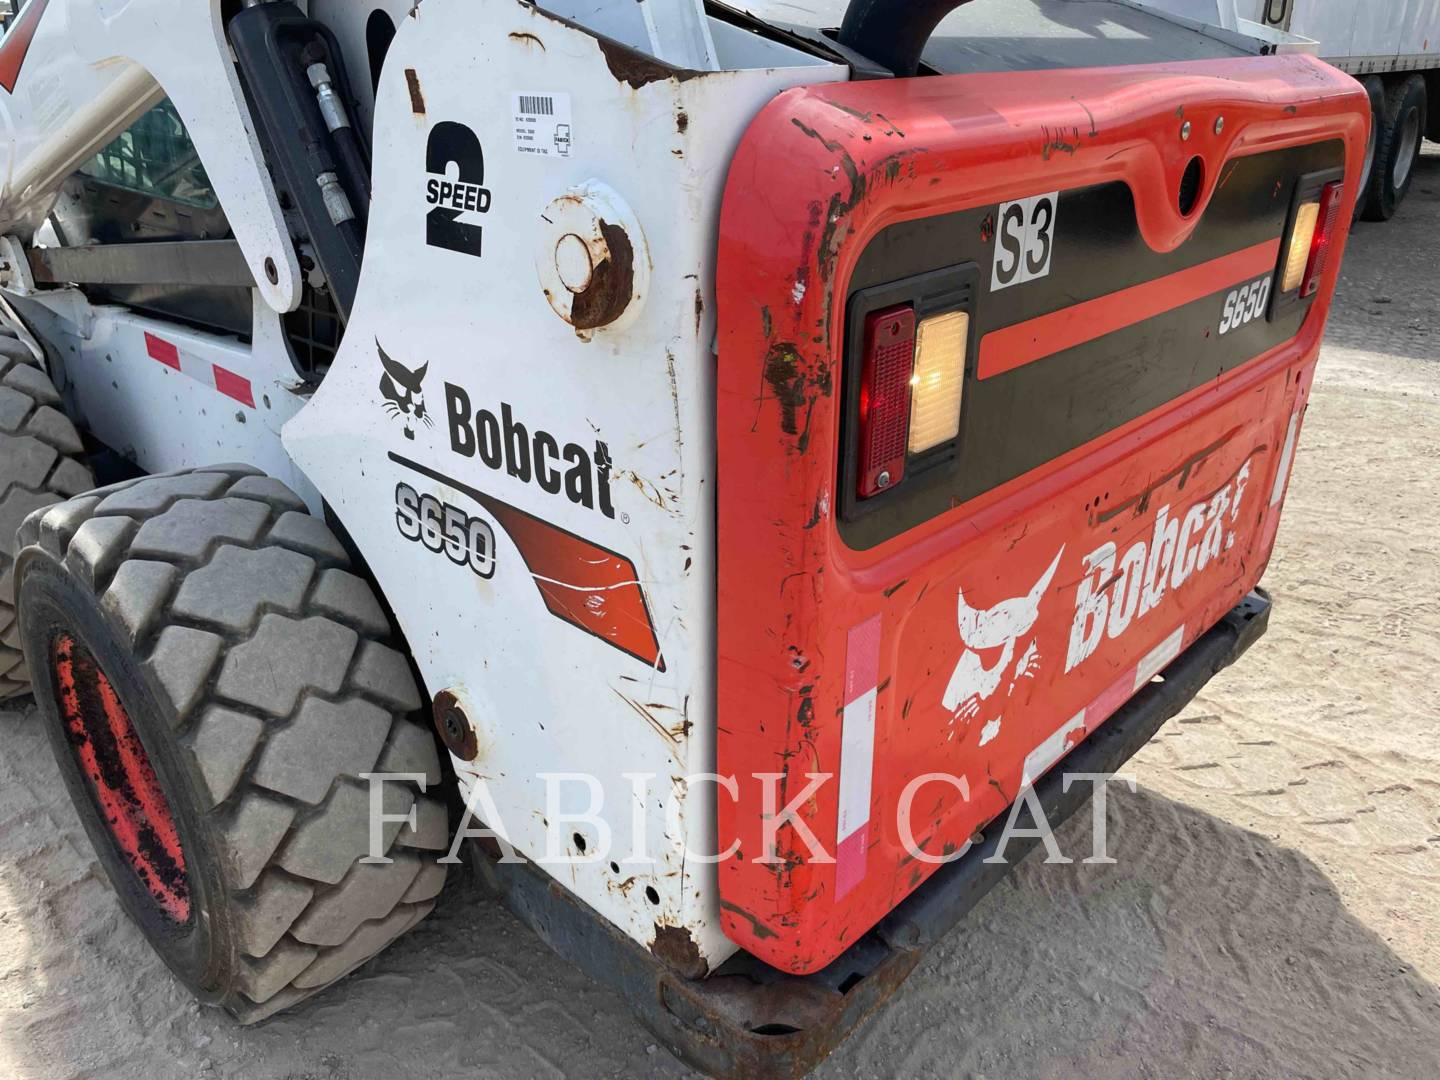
(937, 386)
(1297, 255)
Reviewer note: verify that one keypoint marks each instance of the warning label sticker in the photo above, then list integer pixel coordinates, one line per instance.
(542, 124)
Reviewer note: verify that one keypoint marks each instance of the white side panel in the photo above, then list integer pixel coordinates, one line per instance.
(463, 319)
(168, 397)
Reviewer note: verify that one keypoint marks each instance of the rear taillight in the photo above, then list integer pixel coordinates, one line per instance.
(885, 387)
(1320, 244)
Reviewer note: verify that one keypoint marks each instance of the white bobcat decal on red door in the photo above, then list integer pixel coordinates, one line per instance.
(1001, 627)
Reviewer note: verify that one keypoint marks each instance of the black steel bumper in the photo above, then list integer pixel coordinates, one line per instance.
(749, 1020)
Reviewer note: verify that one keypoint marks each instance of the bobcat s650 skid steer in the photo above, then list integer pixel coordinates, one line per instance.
(765, 444)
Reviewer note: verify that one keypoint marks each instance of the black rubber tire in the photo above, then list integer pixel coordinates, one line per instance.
(1375, 90)
(1432, 94)
(262, 680)
(1405, 100)
(40, 464)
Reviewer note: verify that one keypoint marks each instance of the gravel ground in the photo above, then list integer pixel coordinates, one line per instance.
(1273, 910)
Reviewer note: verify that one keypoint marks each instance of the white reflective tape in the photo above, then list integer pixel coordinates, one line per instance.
(857, 759)
(1040, 760)
(1287, 458)
(1158, 658)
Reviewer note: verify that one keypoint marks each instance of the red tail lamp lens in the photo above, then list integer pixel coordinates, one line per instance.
(1320, 245)
(885, 398)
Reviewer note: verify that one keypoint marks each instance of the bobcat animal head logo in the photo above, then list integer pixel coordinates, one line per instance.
(1001, 627)
(404, 392)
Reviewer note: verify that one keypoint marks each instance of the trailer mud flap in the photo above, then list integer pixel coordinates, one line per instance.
(748, 1021)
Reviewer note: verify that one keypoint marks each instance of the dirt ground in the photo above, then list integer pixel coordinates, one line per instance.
(1274, 910)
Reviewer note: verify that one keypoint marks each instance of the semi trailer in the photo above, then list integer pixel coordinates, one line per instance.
(1393, 49)
(709, 471)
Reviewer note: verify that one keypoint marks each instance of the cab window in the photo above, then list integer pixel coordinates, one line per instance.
(155, 157)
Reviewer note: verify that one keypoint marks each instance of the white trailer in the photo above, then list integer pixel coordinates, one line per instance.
(1364, 37)
(1391, 46)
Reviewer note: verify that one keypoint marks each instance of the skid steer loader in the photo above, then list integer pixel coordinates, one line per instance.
(764, 443)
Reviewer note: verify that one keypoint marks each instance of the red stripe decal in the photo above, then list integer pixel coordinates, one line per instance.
(1024, 343)
(588, 586)
(234, 386)
(162, 350)
(862, 660)
(1110, 699)
(17, 44)
(583, 584)
(850, 860)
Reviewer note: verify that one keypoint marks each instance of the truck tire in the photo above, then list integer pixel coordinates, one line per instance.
(1432, 93)
(1398, 147)
(40, 465)
(217, 685)
(1375, 90)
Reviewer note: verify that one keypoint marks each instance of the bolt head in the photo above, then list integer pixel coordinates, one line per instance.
(883, 480)
(1185, 131)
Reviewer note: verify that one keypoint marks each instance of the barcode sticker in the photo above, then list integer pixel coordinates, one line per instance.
(542, 124)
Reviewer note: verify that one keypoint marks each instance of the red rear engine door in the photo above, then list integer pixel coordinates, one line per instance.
(1134, 376)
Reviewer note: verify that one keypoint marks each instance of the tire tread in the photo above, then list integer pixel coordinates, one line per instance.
(39, 466)
(295, 662)
(1383, 199)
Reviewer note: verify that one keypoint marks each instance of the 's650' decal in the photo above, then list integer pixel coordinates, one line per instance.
(1244, 305)
(464, 539)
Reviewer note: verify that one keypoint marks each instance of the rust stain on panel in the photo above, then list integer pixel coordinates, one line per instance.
(611, 283)
(760, 930)
(417, 99)
(637, 69)
(1140, 503)
(677, 950)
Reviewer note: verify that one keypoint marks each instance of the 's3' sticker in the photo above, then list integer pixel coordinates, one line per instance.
(1024, 240)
